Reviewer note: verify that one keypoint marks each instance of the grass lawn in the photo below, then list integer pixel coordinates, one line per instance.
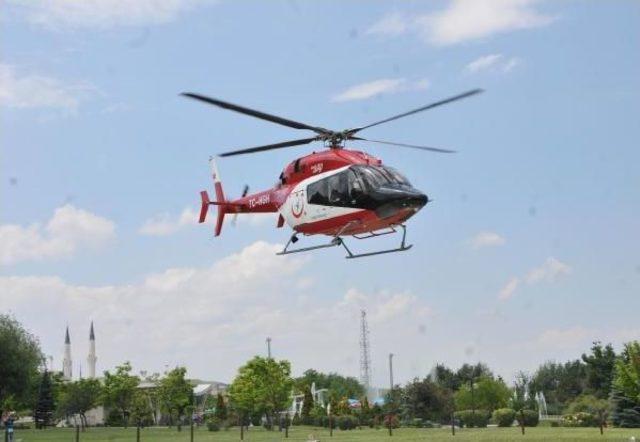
(303, 433)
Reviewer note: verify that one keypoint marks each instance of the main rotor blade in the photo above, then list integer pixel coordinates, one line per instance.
(413, 146)
(269, 147)
(420, 109)
(254, 113)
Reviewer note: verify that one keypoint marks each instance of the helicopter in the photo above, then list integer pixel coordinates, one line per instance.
(336, 192)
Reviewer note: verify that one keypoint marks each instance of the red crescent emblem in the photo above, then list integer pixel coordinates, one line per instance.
(297, 206)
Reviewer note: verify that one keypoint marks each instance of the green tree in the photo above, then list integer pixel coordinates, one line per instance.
(176, 394)
(445, 377)
(522, 397)
(339, 386)
(262, 386)
(20, 358)
(221, 408)
(119, 390)
(468, 372)
(560, 383)
(307, 406)
(599, 369)
(141, 412)
(79, 397)
(626, 387)
(426, 399)
(45, 404)
(487, 394)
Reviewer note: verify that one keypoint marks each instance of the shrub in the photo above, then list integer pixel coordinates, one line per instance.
(580, 419)
(471, 418)
(346, 422)
(213, 424)
(391, 420)
(114, 419)
(415, 423)
(531, 418)
(296, 420)
(504, 417)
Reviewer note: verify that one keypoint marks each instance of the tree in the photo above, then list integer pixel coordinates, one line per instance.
(221, 408)
(560, 383)
(20, 358)
(487, 394)
(79, 397)
(425, 399)
(626, 387)
(339, 386)
(141, 412)
(262, 385)
(468, 372)
(522, 397)
(599, 369)
(153, 396)
(119, 390)
(176, 394)
(45, 404)
(445, 377)
(307, 405)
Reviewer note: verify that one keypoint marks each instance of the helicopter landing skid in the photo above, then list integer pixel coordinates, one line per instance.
(338, 241)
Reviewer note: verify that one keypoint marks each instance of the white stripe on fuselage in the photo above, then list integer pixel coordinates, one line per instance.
(296, 203)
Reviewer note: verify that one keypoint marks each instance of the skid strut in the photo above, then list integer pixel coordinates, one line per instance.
(338, 241)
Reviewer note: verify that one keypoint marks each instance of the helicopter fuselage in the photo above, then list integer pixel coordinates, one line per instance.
(334, 192)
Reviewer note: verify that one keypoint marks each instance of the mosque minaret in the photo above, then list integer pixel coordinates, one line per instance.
(67, 364)
(91, 358)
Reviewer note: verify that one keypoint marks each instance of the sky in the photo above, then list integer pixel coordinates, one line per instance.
(528, 253)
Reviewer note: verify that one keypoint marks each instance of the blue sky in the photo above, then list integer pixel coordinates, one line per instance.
(529, 251)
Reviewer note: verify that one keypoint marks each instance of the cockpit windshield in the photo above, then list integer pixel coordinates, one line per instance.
(347, 188)
(376, 176)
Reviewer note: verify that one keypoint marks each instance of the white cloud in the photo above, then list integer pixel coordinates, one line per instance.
(572, 337)
(392, 24)
(164, 224)
(465, 20)
(69, 230)
(509, 288)
(382, 86)
(19, 90)
(492, 62)
(487, 239)
(102, 14)
(215, 317)
(550, 271)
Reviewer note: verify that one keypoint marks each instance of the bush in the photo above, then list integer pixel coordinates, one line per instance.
(213, 424)
(531, 418)
(471, 418)
(114, 419)
(296, 420)
(391, 420)
(580, 419)
(346, 422)
(504, 417)
(415, 423)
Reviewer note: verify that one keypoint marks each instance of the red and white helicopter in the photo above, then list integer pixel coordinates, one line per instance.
(337, 192)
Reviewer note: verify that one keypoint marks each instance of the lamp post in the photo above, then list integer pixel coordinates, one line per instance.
(390, 393)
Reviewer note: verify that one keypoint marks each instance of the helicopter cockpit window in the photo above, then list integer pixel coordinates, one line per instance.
(340, 190)
(376, 176)
(396, 176)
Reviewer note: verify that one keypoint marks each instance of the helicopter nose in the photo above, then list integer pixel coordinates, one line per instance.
(392, 199)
